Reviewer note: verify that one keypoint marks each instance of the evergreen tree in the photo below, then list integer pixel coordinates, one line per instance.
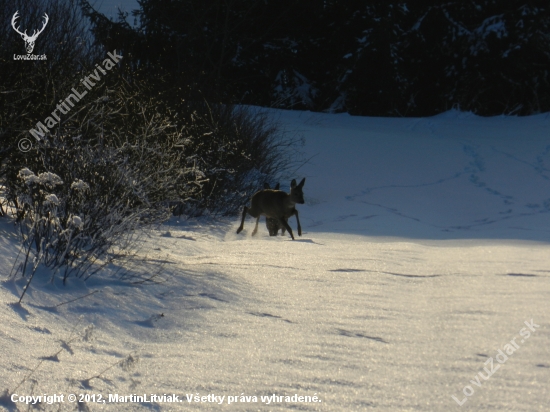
(370, 57)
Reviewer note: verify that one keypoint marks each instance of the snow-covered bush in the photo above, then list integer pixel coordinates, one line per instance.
(96, 200)
(113, 168)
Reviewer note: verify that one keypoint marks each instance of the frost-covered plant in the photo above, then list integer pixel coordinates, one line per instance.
(95, 199)
(51, 199)
(76, 221)
(79, 186)
(49, 235)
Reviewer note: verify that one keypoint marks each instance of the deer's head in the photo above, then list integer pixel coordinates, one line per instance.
(296, 192)
(29, 40)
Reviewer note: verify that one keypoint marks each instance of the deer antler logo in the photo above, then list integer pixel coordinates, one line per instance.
(29, 40)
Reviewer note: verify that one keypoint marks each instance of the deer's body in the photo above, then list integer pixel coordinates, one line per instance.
(276, 204)
(271, 223)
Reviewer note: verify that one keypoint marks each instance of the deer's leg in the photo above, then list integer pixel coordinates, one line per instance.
(266, 218)
(298, 221)
(245, 211)
(272, 226)
(284, 223)
(283, 230)
(256, 227)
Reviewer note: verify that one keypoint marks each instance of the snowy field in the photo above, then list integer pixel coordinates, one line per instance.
(425, 250)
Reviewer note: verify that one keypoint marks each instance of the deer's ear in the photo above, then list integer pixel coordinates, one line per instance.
(293, 183)
(277, 186)
(302, 182)
(266, 185)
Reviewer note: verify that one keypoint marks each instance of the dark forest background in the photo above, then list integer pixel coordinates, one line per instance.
(379, 58)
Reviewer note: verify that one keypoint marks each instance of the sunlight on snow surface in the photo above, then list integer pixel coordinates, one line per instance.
(425, 249)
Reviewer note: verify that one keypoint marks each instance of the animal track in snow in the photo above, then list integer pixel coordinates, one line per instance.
(349, 334)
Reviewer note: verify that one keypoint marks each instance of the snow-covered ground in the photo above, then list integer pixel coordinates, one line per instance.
(425, 250)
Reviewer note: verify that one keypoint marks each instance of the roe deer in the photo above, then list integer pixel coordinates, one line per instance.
(276, 204)
(271, 223)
